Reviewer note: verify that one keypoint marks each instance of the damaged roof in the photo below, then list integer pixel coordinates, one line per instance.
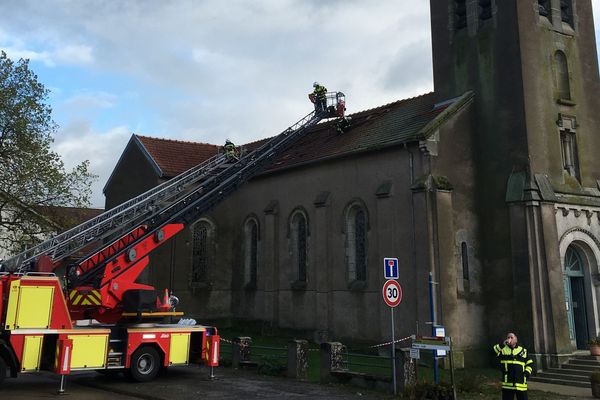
(388, 125)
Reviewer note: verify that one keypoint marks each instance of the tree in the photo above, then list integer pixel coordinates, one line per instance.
(32, 176)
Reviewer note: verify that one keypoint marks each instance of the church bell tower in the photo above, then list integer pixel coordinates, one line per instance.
(533, 68)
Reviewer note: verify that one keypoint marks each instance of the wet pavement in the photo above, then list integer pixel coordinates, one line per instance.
(178, 383)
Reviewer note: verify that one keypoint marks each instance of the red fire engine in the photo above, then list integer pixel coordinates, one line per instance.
(41, 315)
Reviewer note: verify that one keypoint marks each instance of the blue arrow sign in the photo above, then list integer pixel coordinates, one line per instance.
(390, 268)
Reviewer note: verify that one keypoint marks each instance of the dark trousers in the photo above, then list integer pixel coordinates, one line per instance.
(508, 394)
(321, 104)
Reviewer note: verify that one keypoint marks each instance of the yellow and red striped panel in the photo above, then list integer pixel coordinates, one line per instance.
(85, 298)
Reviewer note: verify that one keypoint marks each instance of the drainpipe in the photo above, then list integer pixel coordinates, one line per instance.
(413, 244)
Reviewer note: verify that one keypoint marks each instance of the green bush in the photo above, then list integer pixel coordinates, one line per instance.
(271, 365)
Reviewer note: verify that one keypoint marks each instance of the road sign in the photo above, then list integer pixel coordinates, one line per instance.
(392, 293)
(431, 343)
(414, 353)
(390, 268)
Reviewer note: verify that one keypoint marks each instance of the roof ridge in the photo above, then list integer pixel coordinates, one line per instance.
(392, 103)
(174, 140)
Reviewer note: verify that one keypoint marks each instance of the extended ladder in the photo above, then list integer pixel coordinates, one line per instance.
(181, 199)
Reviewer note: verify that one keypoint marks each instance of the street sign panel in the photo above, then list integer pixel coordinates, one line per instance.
(414, 353)
(390, 268)
(392, 293)
(431, 343)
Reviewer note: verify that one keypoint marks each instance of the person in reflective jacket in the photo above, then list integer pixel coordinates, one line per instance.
(230, 151)
(320, 95)
(516, 367)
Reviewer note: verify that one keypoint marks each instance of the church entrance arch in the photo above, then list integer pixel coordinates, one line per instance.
(575, 294)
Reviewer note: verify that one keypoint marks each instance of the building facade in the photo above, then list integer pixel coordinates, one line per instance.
(489, 183)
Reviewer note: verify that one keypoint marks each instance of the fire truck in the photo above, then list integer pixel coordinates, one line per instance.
(97, 316)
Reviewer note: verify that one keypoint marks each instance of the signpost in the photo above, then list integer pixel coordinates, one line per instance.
(435, 343)
(390, 268)
(392, 295)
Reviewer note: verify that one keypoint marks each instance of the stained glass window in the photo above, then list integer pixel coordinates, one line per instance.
(251, 253)
(299, 237)
(361, 245)
(356, 243)
(200, 252)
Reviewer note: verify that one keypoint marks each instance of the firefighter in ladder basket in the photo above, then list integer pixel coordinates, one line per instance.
(319, 97)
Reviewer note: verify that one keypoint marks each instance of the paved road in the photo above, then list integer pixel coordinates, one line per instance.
(181, 384)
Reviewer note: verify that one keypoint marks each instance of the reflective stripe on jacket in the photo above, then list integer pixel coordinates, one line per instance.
(320, 92)
(516, 366)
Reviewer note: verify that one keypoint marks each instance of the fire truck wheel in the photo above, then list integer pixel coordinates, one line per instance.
(145, 364)
(2, 370)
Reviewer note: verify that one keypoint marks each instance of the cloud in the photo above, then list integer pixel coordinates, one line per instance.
(208, 70)
(68, 55)
(77, 141)
(74, 54)
(89, 100)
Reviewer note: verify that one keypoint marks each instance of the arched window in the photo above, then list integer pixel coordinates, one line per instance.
(465, 260)
(250, 252)
(562, 75)
(202, 255)
(356, 243)
(299, 238)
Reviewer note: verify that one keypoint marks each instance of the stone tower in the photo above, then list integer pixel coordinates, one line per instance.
(533, 67)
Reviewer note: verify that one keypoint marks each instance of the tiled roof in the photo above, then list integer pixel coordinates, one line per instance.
(174, 157)
(394, 123)
(390, 124)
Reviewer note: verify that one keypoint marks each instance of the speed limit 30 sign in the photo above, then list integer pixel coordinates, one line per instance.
(392, 293)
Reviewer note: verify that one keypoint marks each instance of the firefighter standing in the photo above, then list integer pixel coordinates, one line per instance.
(320, 97)
(516, 368)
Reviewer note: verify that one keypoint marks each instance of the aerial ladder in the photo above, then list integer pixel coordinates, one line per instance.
(39, 314)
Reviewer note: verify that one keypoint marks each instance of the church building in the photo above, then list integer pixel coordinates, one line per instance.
(490, 183)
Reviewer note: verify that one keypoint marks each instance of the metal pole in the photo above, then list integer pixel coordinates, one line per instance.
(61, 390)
(393, 352)
(432, 315)
(452, 369)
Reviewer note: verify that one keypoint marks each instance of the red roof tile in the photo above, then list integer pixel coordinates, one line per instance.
(390, 124)
(174, 157)
(383, 126)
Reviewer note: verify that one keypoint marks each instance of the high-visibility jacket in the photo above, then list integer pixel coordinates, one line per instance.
(516, 366)
(320, 92)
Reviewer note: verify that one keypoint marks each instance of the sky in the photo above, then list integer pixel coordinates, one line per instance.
(210, 70)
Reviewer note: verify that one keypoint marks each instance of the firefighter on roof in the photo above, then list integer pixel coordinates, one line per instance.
(342, 125)
(230, 151)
